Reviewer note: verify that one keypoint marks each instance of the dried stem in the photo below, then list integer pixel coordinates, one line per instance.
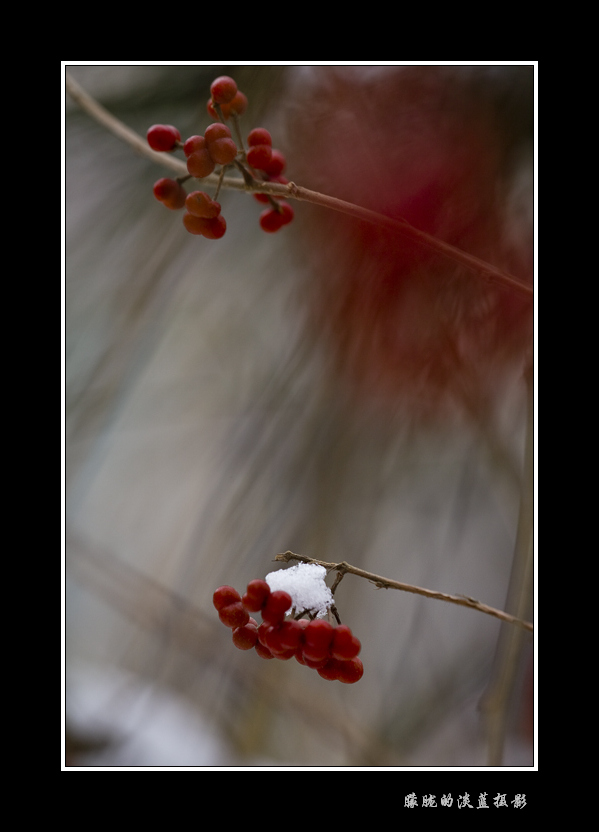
(387, 583)
(293, 191)
(220, 182)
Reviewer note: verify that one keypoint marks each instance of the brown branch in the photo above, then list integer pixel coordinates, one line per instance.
(293, 191)
(387, 583)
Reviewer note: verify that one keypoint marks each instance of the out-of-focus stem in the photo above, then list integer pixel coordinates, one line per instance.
(497, 699)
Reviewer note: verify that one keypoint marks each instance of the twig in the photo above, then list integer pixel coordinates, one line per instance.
(387, 583)
(293, 191)
(106, 119)
(472, 263)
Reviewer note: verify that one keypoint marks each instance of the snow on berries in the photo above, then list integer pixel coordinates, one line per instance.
(217, 151)
(306, 585)
(283, 600)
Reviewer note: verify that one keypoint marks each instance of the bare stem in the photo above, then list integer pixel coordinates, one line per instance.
(387, 583)
(293, 191)
(220, 182)
(106, 119)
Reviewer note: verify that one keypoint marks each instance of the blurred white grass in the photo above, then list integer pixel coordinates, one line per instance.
(204, 434)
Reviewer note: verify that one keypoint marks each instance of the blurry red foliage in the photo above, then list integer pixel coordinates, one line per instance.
(436, 147)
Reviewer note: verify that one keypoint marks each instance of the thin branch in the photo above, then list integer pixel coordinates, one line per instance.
(387, 583)
(107, 120)
(457, 255)
(293, 191)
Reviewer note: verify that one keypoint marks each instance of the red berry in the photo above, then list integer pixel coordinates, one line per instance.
(272, 636)
(259, 156)
(350, 671)
(287, 212)
(194, 143)
(223, 151)
(319, 633)
(199, 161)
(273, 219)
(276, 165)
(171, 193)
(220, 145)
(200, 204)
(318, 637)
(259, 136)
(244, 638)
(263, 651)
(200, 164)
(345, 645)
(330, 670)
(163, 137)
(225, 595)
(237, 106)
(314, 656)
(255, 596)
(272, 640)
(308, 662)
(262, 630)
(276, 606)
(215, 228)
(284, 655)
(223, 89)
(216, 131)
(269, 636)
(251, 604)
(234, 615)
(212, 229)
(291, 635)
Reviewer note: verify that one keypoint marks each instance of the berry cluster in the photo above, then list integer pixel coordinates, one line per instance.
(216, 147)
(331, 651)
(225, 99)
(271, 163)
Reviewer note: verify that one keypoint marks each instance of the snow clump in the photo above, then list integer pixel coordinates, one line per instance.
(305, 583)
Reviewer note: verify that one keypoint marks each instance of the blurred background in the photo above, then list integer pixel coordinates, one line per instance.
(329, 389)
